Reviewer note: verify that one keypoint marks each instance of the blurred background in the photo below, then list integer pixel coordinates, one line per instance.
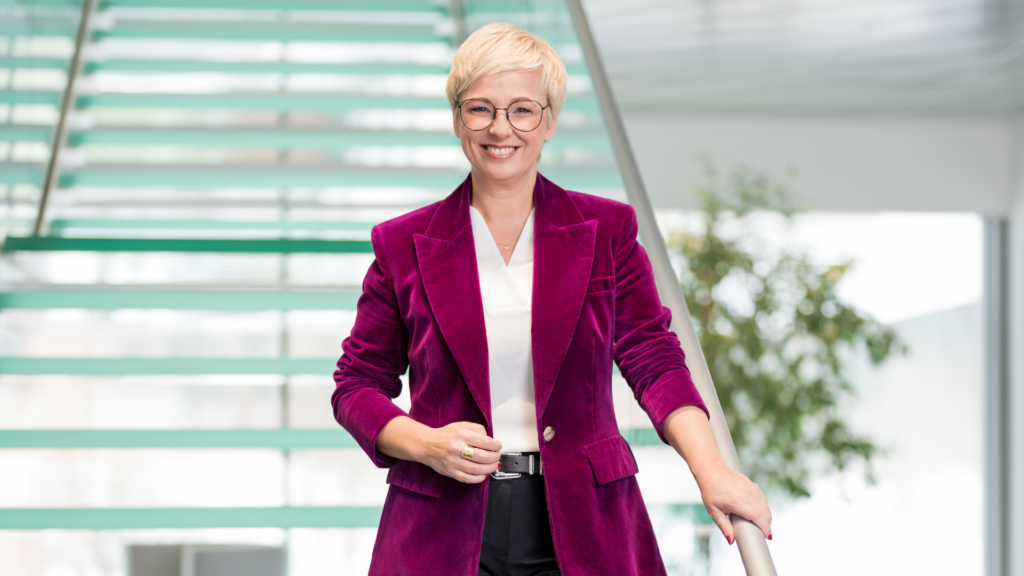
(187, 189)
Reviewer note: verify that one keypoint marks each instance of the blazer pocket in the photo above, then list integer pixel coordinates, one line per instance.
(601, 284)
(416, 477)
(611, 459)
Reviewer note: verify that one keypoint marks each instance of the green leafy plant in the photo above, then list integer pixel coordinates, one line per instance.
(773, 331)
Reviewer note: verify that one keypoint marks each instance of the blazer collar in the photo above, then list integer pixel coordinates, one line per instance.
(452, 214)
(563, 259)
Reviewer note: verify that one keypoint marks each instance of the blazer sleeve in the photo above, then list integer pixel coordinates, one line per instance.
(373, 357)
(648, 354)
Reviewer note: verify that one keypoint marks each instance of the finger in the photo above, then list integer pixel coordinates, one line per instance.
(761, 520)
(473, 428)
(481, 456)
(474, 469)
(478, 428)
(482, 440)
(468, 478)
(764, 522)
(763, 527)
(723, 522)
(755, 510)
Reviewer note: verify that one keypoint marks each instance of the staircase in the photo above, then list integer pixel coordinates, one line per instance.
(223, 163)
(206, 233)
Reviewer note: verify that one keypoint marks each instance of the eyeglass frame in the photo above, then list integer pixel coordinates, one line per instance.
(494, 114)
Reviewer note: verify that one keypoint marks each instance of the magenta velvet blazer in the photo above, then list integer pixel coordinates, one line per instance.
(594, 302)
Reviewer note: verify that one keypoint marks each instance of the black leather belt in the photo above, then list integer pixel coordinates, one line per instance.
(515, 464)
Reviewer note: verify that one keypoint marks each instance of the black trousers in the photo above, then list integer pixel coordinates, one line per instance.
(517, 533)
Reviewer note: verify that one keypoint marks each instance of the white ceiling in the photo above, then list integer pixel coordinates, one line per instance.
(807, 57)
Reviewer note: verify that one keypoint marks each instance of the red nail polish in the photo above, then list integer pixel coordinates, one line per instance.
(769, 536)
(729, 540)
(499, 464)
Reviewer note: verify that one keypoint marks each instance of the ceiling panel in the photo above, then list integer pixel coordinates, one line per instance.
(927, 57)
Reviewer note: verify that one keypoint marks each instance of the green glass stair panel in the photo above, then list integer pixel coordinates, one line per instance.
(696, 512)
(285, 102)
(281, 138)
(14, 62)
(285, 517)
(21, 173)
(262, 517)
(226, 176)
(268, 31)
(642, 436)
(355, 68)
(498, 9)
(152, 518)
(47, 3)
(21, 133)
(359, 68)
(315, 5)
(61, 224)
(166, 366)
(38, 26)
(29, 97)
(275, 246)
(221, 300)
(280, 438)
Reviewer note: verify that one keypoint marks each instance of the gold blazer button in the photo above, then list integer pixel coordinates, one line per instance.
(549, 433)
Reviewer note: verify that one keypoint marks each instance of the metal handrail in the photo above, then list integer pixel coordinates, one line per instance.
(751, 541)
(60, 133)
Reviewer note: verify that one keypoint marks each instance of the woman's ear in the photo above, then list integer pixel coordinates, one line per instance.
(456, 125)
(549, 132)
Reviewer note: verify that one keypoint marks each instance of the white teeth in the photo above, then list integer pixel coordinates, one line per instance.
(500, 151)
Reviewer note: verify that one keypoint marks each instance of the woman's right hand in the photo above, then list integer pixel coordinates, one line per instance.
(442, 451)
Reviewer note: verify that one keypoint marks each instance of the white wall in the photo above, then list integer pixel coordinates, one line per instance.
(856, 164)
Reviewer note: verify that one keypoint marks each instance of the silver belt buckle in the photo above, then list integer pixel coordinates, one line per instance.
(499, 475)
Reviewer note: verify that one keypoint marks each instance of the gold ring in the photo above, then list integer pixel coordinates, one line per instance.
(467, 453)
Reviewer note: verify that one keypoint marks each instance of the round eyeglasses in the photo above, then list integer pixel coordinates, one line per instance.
(523, 115)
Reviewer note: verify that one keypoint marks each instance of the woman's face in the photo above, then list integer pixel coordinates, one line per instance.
(500, 152)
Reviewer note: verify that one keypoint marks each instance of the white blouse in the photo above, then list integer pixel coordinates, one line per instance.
(507, 293)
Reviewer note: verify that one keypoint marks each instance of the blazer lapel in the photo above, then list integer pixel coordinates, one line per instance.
(563, 256)
(446, 256)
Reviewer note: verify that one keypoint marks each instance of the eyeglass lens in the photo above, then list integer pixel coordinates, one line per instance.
(524, 115)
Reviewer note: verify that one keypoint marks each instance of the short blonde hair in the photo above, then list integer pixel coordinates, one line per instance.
(501, 47)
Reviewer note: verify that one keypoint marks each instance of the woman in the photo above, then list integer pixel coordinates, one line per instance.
(508, 301)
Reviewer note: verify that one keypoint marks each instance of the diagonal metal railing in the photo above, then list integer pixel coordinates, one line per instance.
(751, 542)
(61, 129)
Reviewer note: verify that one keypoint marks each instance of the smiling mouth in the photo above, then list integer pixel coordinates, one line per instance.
(500, 151)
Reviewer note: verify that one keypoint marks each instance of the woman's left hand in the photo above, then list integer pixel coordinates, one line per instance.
(726, 491)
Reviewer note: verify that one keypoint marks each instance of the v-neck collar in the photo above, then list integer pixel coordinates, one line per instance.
(487, 249)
